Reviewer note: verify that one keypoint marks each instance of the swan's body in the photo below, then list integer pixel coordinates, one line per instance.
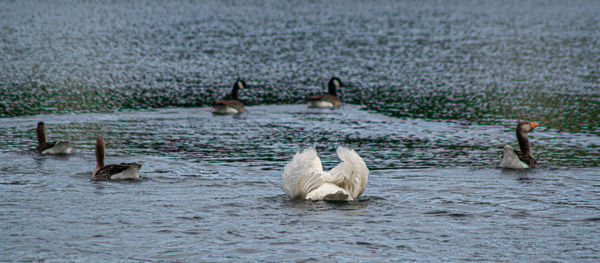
(233, 105)
(113, 171)
(513, 159)
(55, 147)
(328, 100)
(304, 178)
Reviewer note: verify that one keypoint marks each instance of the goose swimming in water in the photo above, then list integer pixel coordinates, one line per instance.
(304, 178)
(328, 100)
(113, 171)
(233, 105)
(520, 159)
(55, 147)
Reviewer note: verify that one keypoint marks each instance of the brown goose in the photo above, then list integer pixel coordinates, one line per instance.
(113, 171)
(328, 100)
(55, 147)
(514, 159)
(233, 105)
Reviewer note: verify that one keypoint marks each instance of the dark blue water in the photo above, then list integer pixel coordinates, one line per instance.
(474, 60)
(432, 91)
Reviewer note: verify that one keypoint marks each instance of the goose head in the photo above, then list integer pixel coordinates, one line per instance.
(238, 84)
(526, 126)
(333, 85)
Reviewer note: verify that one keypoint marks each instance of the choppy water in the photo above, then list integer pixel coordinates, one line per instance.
(211, 190)
(434, 89)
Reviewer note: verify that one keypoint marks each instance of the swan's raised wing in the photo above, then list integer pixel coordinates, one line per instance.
(303, 174)
(351, 174)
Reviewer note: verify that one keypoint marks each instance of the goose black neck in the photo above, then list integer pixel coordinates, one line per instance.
(234, 92)
(523, 141)
(332, 88)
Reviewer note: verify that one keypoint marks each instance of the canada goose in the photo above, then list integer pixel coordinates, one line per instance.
(304, 178)
(233, 105)
(44, 147)
(113, 171)
(520, 159)
(328, 100)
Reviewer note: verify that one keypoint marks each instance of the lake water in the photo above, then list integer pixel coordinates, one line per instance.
(432, 91)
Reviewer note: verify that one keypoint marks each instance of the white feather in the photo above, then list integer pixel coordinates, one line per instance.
(320, 104)
(511, 160)
(329, 192)
(304, 178)
(133, 172)
(61, 147)
(302, 174)
(222, 109)
(351, 174)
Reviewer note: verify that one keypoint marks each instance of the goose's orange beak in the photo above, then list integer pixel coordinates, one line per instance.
(533, 124)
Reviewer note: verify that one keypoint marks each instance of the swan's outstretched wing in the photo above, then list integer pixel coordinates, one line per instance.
(303, 174)
(351, 174)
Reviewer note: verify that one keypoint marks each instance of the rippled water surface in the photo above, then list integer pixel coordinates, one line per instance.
(473, 60)
(432, 91)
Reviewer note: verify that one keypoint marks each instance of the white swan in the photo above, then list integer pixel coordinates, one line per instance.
(304, 178)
